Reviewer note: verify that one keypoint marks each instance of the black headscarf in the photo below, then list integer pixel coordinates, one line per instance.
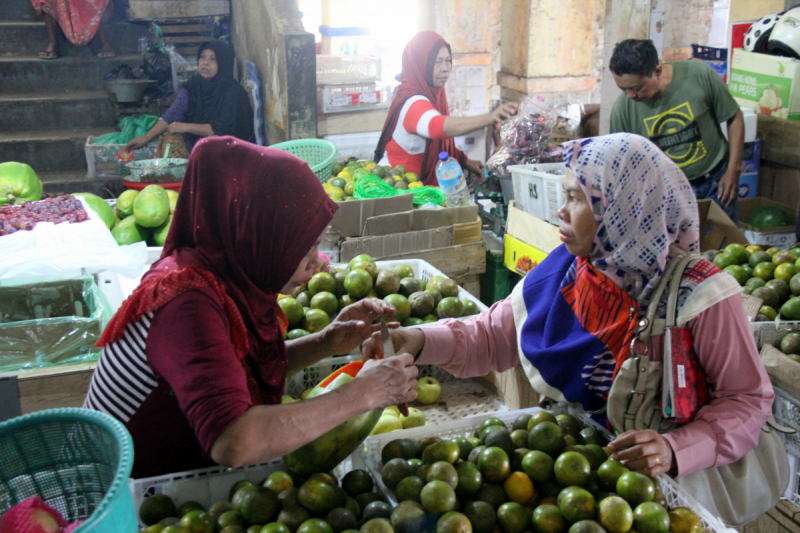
(220, 101)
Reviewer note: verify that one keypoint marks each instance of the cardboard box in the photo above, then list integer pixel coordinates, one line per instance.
(768, 84)
(419, 219)
(349, 220)
(783, 236)
(717, 230)
(396, 244)
(520, 257)
(532, 230)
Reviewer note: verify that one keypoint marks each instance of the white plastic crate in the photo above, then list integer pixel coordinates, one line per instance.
(348, 69)
(207, 486)
(772, 332)
(102, 162)
(460, 398)
(358, 145)
(370, 455)
(538, 190)
(353, 97)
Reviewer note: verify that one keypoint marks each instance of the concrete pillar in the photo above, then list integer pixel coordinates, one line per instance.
(547, 46)
(625, 19)
(270, 34)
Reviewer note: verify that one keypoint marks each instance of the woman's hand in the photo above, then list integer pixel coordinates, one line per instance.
(404, 340)
(354, 324)
(177, 127)
(391, 381)
(645, 452)
(135, 144)
(503, 111)
(473, 166)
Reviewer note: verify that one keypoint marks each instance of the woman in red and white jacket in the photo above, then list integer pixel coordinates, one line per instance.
(419, 125)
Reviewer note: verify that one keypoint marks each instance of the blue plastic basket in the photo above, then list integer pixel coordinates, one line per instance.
(78, 461)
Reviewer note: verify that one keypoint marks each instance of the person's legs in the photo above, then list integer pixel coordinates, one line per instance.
(51, 52)
(106, 50)
(708, 189)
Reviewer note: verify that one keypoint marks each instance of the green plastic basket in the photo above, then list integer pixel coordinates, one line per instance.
(319, 155)
(77, 460)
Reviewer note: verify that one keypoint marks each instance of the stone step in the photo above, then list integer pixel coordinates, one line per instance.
(28, 73)
(55, 110)
(76, 181)
(30, 37)
(45, 151)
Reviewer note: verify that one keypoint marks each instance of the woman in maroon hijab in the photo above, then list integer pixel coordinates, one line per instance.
(194, 362)
(419, 125)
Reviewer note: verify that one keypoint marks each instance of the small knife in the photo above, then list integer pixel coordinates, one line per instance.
(388, 351)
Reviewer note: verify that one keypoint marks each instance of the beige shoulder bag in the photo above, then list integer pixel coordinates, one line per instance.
(738, 493)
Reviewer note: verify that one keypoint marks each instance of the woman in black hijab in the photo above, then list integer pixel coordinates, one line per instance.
(211, 103)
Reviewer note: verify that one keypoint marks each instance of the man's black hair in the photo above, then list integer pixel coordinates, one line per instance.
(634, 56)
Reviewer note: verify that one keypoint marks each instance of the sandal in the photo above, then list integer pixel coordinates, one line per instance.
(106, 54)
(48, 54)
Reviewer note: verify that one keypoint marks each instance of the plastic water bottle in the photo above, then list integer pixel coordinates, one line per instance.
(452, 181)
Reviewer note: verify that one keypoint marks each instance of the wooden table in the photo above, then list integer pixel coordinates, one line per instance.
(53, 387)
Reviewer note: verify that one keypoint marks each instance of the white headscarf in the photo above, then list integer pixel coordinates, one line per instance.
(642, 203)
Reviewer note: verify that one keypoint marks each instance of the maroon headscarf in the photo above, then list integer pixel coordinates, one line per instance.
(247, 215)
(416, 78)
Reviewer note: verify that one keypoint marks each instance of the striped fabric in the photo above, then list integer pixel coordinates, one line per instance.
(123, 378)
(418, 122)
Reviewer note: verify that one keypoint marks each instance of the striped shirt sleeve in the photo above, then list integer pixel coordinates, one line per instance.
(423, 119)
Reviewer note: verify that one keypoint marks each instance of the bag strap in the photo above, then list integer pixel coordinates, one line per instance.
(646, 324)
(675, 286)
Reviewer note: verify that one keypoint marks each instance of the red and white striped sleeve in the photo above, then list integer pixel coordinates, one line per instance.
(423, 119)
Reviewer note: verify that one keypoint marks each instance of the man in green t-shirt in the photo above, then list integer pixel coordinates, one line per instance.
(679, 106)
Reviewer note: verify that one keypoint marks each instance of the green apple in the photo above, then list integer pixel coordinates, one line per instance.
(289, 399)
(391, 411)
(428, 390)
(415, 418)
(387, 423)
(305, 393)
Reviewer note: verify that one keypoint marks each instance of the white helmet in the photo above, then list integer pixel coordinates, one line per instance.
(785, 37)
(755, 40)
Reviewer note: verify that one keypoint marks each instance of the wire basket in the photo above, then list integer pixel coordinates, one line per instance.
(319, 155)
(78, 461)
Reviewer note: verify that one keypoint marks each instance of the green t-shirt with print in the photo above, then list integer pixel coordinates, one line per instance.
(684, 120)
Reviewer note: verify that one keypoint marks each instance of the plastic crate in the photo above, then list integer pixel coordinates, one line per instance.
(353, 97)
(349, 69)
(709, 53)
(497, 282)
(538, 190)
(358, 145)
(772, 332)
(370, 454)
(460, 398)
(102, 162)
(787, 412)
(424, 270)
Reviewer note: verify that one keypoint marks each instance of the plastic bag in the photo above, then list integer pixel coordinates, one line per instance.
(157, 64)
(130, 128)
(44, 323)
(53, 251)
(181, 69)
(525, 136)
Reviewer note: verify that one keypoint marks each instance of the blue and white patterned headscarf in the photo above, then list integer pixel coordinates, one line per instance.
(642, 203)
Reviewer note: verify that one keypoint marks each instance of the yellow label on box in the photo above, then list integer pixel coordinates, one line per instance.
(520, 257)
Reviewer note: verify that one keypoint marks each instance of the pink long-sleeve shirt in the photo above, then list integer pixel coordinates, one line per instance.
(723, 431)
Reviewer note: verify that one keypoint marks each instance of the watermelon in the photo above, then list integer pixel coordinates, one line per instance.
(769, 217)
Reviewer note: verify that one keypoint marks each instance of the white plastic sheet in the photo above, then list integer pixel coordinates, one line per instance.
(58, 251)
